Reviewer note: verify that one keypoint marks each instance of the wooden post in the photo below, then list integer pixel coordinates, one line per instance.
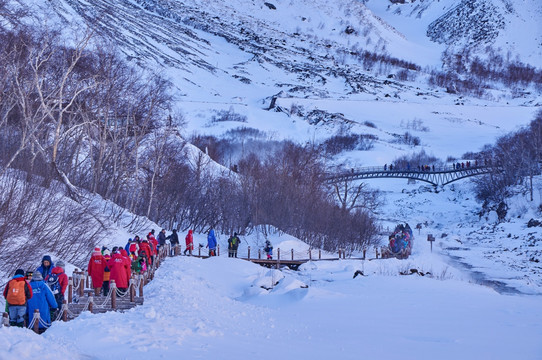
(87, 279)
(199, 251)
(64, 311)
(90, 303)
(217, 249)
(37, 321)
(177, 250)
(141, 284)
(339, 253)
(259, 253)
(248, 253)
(310, 254)
(81, 284)
(132, 289)
(113, 295)
(278, 253)
(430, 238)
(5, 319)
(319, 254)
(97, 291)
(70, 290)
(292, 251)
(364, 251)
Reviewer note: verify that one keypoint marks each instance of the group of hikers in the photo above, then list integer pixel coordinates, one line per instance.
(42, 289)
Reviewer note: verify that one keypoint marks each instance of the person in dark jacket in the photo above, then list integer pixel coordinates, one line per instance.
(43, 300)
(233, 245)
(174, 241)
(162, 237)
(17, 292)
(46, 266)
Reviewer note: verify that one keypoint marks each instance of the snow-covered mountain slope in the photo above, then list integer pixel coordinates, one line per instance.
(238, 54)
(512, 27)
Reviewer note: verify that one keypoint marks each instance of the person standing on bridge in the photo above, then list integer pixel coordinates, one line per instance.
(189, 240)
(268, 249)
(233, 245)
(211, 242)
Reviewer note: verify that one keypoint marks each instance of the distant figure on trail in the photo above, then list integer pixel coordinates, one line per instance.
(189, 240)
(145, 247)
(46, 266)
(17, 292)
(96, 268)
(174, 241)
(162, 238)
(211, 242)
(268, 249)
(43, 300)
(153, 244)
(58, 283)
(233, 245)
(107, 273)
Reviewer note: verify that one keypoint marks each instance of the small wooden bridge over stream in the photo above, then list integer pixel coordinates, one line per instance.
(80, 295)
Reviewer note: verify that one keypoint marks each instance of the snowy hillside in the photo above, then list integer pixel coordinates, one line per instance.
(307, 71)
(223, 308)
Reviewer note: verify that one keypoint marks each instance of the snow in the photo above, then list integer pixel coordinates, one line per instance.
(482, 299)
(228, 308)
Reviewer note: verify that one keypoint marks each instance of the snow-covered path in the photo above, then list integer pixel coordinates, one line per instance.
(216, 309)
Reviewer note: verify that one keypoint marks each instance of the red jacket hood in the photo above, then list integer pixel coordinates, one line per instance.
(57, 270)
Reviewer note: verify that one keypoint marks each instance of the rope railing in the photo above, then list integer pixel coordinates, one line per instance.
(81, 294)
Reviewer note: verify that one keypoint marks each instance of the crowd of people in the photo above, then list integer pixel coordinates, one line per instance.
(44, 288)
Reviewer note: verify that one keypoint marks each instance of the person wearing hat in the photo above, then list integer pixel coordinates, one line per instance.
(96, 267)
(43, 300)
(46, 266)
(58, 283)
(17, 292)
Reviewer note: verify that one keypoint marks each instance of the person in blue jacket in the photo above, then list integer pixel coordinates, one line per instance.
(42, 299)
(211, 242)
(46, 266)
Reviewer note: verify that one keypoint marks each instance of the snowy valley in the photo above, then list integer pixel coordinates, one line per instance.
(254, 74)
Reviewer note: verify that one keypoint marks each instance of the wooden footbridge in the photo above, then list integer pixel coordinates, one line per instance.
(436, 176)
(291, 259)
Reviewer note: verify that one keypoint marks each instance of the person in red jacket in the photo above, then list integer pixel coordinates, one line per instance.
(96, 268)
(16, 293)
(189, 239)
(128, 262)
(119, 270)
(57, 282)
(144, 246)
(153, 244)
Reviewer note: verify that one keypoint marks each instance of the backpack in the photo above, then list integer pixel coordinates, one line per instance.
(53, 283)
(16, 294)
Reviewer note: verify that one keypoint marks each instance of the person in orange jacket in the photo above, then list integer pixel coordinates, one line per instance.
(16, 293)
